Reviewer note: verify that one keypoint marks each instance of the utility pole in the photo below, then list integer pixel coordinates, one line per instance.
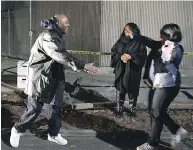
(30, 26)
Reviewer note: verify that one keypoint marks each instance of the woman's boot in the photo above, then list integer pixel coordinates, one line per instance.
(133, 104)
(120, 102)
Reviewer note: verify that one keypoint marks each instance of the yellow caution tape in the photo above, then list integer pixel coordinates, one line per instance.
(188, 53)
(88, 52)
(82, 52)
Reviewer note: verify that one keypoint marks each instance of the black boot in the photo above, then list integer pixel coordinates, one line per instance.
(120, 101)
(133, 104)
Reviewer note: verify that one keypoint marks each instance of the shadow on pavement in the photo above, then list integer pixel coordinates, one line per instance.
(6, 124)
(187, 94)
(107, 130)
(85, 95)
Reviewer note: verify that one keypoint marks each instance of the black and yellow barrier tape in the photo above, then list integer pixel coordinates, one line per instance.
(88, 52)
(84, 52)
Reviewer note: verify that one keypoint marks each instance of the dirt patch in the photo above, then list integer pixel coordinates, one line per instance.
(106, 120)
(98, 120)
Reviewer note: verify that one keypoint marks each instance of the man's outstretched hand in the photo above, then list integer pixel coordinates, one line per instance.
(90, 69)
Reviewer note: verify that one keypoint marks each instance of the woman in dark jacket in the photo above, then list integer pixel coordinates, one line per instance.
(163, 76)
(128, 57)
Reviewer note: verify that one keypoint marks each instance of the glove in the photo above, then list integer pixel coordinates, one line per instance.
(90, 69)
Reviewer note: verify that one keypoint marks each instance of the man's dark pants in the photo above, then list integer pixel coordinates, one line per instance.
(52, 111)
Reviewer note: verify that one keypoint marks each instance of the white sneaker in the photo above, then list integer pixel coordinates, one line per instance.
(15, 137)
(179, 136)
(146, 146)
(57, 139)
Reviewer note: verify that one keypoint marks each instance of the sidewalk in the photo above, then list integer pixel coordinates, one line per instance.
(99, 142)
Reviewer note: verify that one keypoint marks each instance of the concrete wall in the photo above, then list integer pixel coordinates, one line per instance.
(84, 32)
(95, 25)
(150, 17)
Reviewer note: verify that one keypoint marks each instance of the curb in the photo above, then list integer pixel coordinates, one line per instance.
(70, 133)
(91, 133)
(168, 136)
(78, 133)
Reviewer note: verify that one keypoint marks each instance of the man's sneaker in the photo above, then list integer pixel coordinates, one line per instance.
(179, 136)
(146, 146)
(15, 137)
(57, 139)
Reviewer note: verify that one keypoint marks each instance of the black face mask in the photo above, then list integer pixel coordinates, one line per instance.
(126, 39)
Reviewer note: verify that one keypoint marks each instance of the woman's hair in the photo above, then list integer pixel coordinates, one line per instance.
(172, 31)
(134, 28)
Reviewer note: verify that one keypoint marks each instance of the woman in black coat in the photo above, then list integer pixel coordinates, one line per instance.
(128, 57)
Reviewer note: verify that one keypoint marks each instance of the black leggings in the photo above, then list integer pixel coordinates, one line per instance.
(159, 102)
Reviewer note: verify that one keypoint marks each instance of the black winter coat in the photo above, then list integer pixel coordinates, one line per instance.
(128, 76)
